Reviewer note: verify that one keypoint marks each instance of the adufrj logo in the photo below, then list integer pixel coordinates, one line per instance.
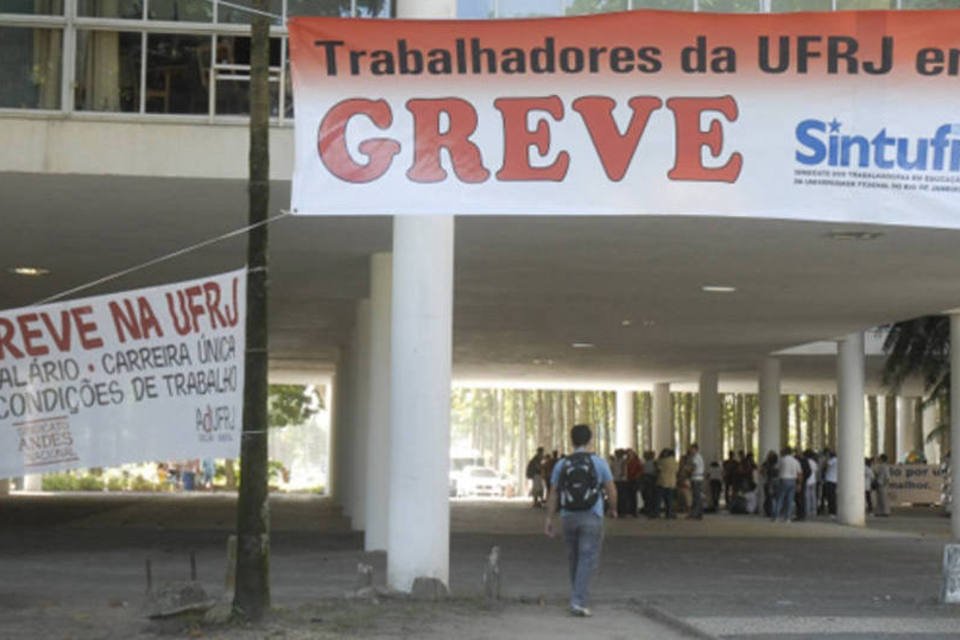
(827, 143)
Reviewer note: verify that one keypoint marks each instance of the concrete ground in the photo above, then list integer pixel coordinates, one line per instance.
(73, 567)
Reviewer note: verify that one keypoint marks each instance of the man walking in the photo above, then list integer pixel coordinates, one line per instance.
(575, 488)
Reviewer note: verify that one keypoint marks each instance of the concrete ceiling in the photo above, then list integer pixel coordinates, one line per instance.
(526, 288)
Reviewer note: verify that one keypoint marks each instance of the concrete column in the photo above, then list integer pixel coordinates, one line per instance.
(335, 459)
(955, 424)
(850, 381)
(708, 418)
(931, 450)
(4, 487)
(360, 417)
(662, 417)
(419, 510)
(906, 415)
(378, 412)
(769, 399)
(33, 482)
(626, 422)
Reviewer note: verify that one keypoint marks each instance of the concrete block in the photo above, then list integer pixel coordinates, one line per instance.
(951, 574)
(429, 589)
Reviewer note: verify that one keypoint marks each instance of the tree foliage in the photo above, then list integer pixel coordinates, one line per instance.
(292, 404)
(919, 347)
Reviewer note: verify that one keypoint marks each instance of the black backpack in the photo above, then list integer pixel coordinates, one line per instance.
(579, 485)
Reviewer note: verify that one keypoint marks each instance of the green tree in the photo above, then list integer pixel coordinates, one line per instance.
(920, 347)
(292, 404)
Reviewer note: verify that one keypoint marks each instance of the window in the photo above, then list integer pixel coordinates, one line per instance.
(32, 7)
(30, 60)
(108, 71)
(127, 9)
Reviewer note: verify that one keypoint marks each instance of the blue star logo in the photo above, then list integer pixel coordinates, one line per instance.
(834, 126)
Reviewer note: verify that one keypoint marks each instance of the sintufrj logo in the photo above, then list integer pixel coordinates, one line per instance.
(824, 143)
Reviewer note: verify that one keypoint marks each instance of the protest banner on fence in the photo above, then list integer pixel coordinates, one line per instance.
(914, 484)
(149, 374)
(840, 116)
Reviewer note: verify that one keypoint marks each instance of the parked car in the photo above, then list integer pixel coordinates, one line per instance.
(458, 464)
(481, 481)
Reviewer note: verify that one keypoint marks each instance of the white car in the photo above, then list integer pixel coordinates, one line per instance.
(481, 481)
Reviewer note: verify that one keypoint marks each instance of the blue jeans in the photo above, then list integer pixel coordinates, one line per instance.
(665, 496)
(696, 510)
(787, 488)
(583, 533)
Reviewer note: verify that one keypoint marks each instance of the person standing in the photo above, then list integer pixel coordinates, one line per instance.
(649, 484)
(695, 462)
(881, 473)
(869, 480)
(810, 486)
(634, 473)
(575, 489)
(770, 483)
(789, 473)
(666, 483)
(830, 483)
(536, 480)
(714, 481)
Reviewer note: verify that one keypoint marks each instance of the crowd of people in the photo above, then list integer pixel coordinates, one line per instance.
(788, 486)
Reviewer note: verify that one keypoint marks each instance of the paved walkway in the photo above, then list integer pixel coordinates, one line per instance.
(80, 560)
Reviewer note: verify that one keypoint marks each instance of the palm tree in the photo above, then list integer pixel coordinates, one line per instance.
(921, 347)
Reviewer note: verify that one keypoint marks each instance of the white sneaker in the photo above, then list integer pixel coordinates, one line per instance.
(580, 612)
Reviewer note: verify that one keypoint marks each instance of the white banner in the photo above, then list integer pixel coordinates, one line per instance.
(914, 484)
(150, 374)
(842, 116)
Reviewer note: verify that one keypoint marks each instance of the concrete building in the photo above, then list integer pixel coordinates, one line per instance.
(122, 139)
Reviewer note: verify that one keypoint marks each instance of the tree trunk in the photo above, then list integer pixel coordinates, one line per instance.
(890, 427)
(498, 442)
(874, 418)
(751, 426)
(522, 441)
(784, 421)
(797, 422)
(648, 421)
(738, 423)
(252, 593)
(832, 423)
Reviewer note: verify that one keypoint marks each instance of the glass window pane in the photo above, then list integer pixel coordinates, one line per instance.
(529, 8)
(33, 7)
(180, 10)
(108, 71)
(30, 68)
(730, 6)
(475, 9)
(373, 8)
(784, 6)
(232, 75)
(931, 4)
(175, 79)
(130, 9)
(866, 4)
(582, 7)
(673, 5)
(233, 14)
(336, 8)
